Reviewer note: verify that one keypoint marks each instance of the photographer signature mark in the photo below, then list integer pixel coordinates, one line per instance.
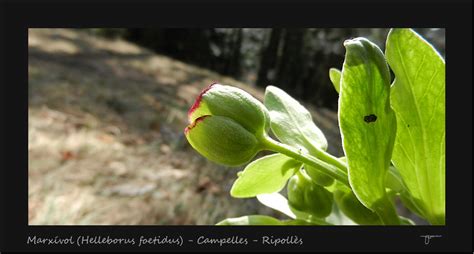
(429, 237)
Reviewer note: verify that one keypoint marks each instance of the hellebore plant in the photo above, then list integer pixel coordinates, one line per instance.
(393, 139)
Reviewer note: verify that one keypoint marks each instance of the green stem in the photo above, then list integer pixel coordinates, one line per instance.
(312, 161)
(326, 157)
(330, 165)
(387, 212)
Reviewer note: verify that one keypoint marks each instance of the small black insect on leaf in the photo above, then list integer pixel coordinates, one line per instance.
(370, 118)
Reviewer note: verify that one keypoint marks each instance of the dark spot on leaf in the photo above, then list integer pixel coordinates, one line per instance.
(370, 118)
(408, 125)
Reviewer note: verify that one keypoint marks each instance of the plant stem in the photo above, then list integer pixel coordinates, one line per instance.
(331, 166)
(387, 212)
(326, 157)
(312, 161)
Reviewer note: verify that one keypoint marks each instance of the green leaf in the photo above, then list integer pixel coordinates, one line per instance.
(291, 122)
(394, 181)
(410, 203)
(266, 175)
(293, 125)
(337, 217)
(418, 98)
(250, 220)
(367, 122)
(277, 202)
(335, 77)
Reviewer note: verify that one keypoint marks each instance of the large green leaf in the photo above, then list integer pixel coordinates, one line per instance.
(367, 122)
(266, 175)
(292, 124)
(418, 98)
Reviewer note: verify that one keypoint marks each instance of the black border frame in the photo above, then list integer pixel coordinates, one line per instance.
(455, 15)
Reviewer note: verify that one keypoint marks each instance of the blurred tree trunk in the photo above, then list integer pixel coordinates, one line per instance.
(297, 60)
(290, 72)
(269, 59)
(233, 58)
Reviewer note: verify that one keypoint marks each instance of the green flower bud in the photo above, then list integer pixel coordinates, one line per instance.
(353, 208)
(227, 124)
(222, 140)
(318, 176)
(233, 103)
(306, 196)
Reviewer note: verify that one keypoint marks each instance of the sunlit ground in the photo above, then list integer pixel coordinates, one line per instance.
(105, 136)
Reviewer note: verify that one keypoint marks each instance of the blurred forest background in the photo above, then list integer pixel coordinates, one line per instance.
(107, 109)
(296, 60)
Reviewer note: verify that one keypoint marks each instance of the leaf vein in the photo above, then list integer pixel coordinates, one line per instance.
(424, 169)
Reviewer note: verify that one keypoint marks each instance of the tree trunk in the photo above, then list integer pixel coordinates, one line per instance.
(269, 59)
(290, 73)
